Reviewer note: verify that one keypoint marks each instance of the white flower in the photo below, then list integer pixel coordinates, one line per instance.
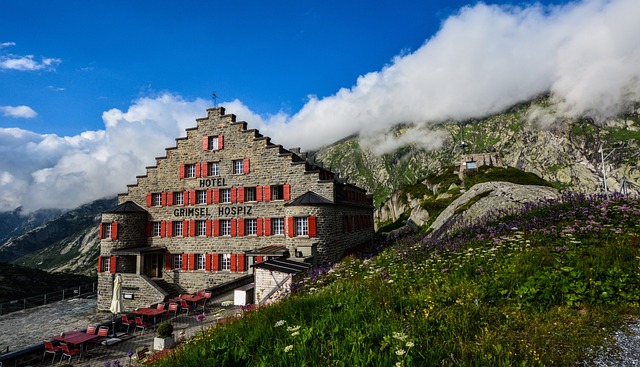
(400, 352)
(288, 348)
(293, 328)
(399, 336)
(295, 333)
(410, 344)
(280, 323)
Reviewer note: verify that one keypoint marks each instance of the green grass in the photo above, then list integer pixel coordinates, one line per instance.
(509, 174)
(535, 288)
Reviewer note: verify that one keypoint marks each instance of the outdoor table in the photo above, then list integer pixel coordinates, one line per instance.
(78, 338)
(191, 298)
(148, 311)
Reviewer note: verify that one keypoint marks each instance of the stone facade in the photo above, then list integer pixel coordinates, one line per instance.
(221, 200)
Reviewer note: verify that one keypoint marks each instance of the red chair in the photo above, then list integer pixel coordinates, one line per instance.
(160, 306)
(184, 306)
(141, 325)
(103, 333)
(66, 352)
(173, 307)
(49, 348)
(91, 329)
(205, 302)
(126, 321)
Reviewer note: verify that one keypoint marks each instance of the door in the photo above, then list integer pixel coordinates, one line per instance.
(155, 263)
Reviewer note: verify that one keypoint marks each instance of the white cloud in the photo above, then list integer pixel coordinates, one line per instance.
(7, 44)
(24, 112)
(26, 62)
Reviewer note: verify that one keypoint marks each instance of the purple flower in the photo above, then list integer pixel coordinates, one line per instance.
(130, 353)
(201, 317)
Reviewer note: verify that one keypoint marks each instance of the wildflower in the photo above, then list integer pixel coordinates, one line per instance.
(410, 345)
(399, 336)
(295, 333)
(201, 317)
(400, 352)
(293, 328)
(288, 348)
(280, 323)
(130, 353)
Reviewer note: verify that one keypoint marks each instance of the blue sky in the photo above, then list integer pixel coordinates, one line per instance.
(92, 87)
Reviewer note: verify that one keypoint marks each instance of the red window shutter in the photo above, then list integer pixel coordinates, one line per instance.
(192, 197)
(205, 143)
(216, 261)
(192, 261)
(312, 226)
(267, 226)
(240, 227)
(209, 196)
(100, 230)
(216, 196)
(220, 142)
(258, 193)
(245, 165)
(259, 259)
(163, 199)
(287, 191)
(234, 195)
(204, 168)
(112, 265)
(207, 262)
(216, 228)
(267, 193)
(185, 198)
(163, 229)
(192, 228)
(114, 230)
(291, 224)
(182, 171)
(169, 198)
(259, 226)
(169, 228)
(185, 228)
(233, 227)
(241, 194)
(149, 200)
(168, 262)
(209, 223)
(240, 262)
(99, 264)
(197, 169)
(233, 263)
(185, 261)
(148, 229)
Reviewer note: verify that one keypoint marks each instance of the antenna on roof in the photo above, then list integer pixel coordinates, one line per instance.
(214, 97)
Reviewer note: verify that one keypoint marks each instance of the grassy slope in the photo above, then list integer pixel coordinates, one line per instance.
(537, 287)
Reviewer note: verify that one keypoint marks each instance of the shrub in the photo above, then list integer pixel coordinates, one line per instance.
(165, 330)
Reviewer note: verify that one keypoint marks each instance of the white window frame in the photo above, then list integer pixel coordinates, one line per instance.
(200, 261)
(213, 168)
(201, 227)
(250, 193)
(155, 229)
(106, 264)
(277, 226)
(238, 166)
(212, 143)
(178, 198)
(201, 196)
(225, 195)
(156, 199)
(176, 261)
(178, 229)
(277, 192)
(190, 170)
(301, 226)
(225, 262)
(250, 227)
(225, 227)
(106, 230)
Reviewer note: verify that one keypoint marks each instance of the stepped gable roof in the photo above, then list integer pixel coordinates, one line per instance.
(283, 266)
(127, 207)
(309, 198)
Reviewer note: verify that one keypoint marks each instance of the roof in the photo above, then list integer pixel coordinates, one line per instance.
(127, 207)
(283, 266)
(309, 198)
(269, 250)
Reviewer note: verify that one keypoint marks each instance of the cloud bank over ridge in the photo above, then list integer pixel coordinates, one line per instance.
(483, 60)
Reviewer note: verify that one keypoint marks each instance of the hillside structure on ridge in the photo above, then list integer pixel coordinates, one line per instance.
(220, 203)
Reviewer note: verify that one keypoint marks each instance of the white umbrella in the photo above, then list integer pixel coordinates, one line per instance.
(116, 300)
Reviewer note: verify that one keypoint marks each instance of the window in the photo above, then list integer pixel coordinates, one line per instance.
(156, 199)
(471, 165)
(277, 192)
(201, 228)
(190, 170)
(177, 229)
(213, 168)
(200, 261)
(155, 229)
(238, 166)
(225, 262)
(106, 263)
(201, 197)
(106, 230)
(301, 226)
(249, 194)
(178, 198)
(177, 261)
(277, 226)
(225, 195)
(225, 227)
(250, 227)
(212, 142)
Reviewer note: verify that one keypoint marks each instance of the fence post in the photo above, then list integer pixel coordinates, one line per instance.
(24, 304)
(63, 294)
(45, 298)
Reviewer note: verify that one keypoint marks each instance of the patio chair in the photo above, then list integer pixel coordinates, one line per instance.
(205, 302)
(173, 307)
(66, 352)
(141, 324)
(160, 306)
(50, 349)
(103, 333)
(184, 306)
(126, 321)
(91, 329)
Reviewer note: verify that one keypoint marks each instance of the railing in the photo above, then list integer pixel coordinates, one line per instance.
(43, 299)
